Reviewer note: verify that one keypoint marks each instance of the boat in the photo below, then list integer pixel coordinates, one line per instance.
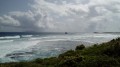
(66, 32)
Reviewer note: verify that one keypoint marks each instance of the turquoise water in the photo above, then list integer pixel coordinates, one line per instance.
(29, 47)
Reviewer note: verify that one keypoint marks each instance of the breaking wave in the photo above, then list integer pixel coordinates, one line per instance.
(9, 37)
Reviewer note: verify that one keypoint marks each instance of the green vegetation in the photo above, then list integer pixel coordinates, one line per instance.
(99, 55)
(80, 47)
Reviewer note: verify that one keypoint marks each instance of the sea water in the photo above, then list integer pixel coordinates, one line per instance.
(26, 47)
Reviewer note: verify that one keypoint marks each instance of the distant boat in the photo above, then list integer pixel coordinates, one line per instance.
(66, 32)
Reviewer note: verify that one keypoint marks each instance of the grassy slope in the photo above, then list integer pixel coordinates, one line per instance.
(102, 55)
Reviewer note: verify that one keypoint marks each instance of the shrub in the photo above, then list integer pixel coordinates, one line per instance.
(68, 53)
(38, 60)
(99, 61)
(70, 62)
(80, 47)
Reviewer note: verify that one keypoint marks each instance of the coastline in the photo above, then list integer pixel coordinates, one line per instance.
(105, 54)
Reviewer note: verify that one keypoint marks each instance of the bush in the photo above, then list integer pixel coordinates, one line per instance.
(70, 62)
(80, 47)
(99, 61)
(38, 60)
(68, 53)
(113, 50)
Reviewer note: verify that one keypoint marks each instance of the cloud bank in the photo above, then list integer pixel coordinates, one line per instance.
(65, 15)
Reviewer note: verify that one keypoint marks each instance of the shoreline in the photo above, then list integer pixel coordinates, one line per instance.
(52, 49)
(104, 54)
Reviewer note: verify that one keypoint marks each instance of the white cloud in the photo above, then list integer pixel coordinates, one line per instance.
(67, 15)
(8, 20)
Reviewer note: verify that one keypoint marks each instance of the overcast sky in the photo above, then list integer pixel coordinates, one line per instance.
(60, 15)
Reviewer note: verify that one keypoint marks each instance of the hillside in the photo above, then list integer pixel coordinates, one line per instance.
(99, 55)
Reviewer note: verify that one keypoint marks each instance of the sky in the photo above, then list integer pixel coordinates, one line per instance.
(59, 15)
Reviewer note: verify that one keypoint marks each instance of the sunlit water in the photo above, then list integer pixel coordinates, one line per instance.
(29, 47)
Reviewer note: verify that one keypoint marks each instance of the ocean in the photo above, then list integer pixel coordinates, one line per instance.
(22, 46)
